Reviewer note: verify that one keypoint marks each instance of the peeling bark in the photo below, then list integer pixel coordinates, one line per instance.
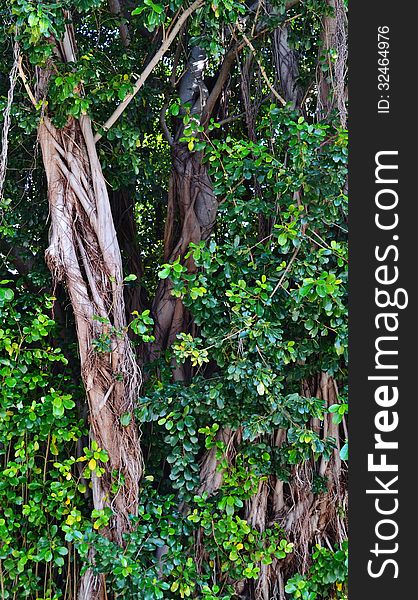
(321, 517)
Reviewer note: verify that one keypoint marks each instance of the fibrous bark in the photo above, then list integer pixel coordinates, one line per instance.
(84, 254)
(331, 82)
(307, 518)
(191, 215)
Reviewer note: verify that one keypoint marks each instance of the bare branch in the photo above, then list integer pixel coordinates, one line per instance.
(220, 82)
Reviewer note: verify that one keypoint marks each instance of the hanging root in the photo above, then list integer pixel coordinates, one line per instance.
(307, 518)
(7, 117)
(286, 65)
(331, 84)
(340, 65)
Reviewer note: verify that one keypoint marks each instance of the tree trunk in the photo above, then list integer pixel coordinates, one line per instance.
(191, 212)
(306, 518)
(331, 82)
(84, 254)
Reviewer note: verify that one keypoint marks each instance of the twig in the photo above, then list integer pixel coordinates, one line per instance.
(230, 119)
(294, 255)
(25, 82)
(263, 71)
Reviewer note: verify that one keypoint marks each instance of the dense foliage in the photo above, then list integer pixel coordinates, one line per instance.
(243, 400)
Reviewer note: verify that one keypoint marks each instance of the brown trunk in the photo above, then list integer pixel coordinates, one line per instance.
(210, 476)
(84, 254)
(191, 210)
(191, 215)
(320, 518)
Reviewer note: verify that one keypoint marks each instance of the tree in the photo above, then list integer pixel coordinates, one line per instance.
(194, 173)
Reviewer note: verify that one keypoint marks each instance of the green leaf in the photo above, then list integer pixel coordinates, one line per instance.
(6, 294)
(305, 289)
(229, 509)
(125, 419)
(32, 19)
(344, 452)
(260, 388)
(11, 382)
(138, 10)
(59, 561)
(164, 273)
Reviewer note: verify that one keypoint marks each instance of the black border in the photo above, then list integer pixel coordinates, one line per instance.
(369, 133)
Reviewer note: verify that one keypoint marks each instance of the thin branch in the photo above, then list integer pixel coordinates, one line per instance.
(230, 119)
(150, 67)
(222, 77)
(263, 71)
(291, 261)
(25, 83)
(227, 65)
(164, 127)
